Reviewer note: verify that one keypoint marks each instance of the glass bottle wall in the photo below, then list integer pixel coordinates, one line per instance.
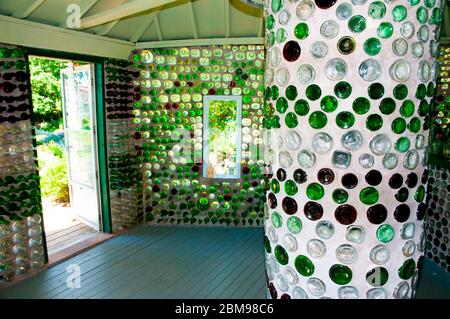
(168, 117)
(21, 235)
(440, 124)
(123, 145)
(346, 222)
(437, 226)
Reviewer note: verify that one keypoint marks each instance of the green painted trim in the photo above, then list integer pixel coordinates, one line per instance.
(102, 149)
(33, 141)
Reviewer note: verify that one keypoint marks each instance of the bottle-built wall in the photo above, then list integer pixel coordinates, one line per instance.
(170, 119)
(437, 220)
(123, 145)
(21, 233)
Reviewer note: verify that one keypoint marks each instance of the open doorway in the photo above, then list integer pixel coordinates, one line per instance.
(64, 116)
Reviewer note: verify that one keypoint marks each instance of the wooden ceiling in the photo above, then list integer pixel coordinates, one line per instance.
(145, 20)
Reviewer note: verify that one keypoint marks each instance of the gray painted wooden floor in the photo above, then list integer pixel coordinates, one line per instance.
(178, 263)
(160, 262)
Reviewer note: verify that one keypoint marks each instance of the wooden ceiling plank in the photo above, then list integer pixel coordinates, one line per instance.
(144, 26)
(122, 11)
(104, 30)
(227, 18)
(26, 9)
(158, 29)
(260, 27)
(87, 5)
(194, 23)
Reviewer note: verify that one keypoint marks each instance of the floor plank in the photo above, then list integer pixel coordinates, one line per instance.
(63, 239)
(105, 282)
(228, 275)
(178, 262)
(171, 276)
(91, 260)
(65, 231)
(153, 262)
(217, 262)
(211, 257)
(95, 268)
(70, 235)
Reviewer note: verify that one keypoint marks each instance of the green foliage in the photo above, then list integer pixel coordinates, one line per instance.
(222, 123)
(53, 172)
(56, 150)
(86, 124)
(222, 115)
(46, 92)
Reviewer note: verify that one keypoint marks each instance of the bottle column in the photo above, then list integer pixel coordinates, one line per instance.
(349, 86)
(123, 144)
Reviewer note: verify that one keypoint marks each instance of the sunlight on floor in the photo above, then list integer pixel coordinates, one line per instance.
(57, 216)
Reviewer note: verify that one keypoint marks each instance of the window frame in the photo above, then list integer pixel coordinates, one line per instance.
(206, 134)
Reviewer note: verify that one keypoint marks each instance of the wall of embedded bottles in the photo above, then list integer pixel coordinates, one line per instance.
(440, 127)
(173, 82)
(21, 236)
(437, 225)
(123, 144)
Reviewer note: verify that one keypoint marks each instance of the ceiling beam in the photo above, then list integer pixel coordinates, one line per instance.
(104, 30)
(87, 5)
(121, 11)
(199, 42)
(144, 26)
(36, 35)
(227, 18)
(158, 29)
(26, 9)
(194, 23)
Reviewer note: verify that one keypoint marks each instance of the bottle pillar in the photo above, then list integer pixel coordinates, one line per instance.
(349, 86)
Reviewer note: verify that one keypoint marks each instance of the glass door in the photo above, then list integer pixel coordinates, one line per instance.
(78, 92)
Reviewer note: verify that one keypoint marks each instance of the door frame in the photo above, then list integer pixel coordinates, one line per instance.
(100, 117)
